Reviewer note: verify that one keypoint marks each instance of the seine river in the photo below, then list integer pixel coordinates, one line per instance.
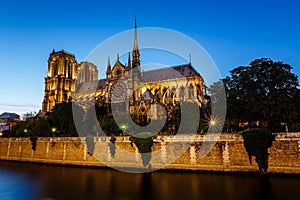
(30, 181)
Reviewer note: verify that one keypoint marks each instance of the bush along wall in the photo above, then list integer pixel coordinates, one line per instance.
(112, 146)
(33, 140)
(257, 141)
(144, 143)
(89, 139)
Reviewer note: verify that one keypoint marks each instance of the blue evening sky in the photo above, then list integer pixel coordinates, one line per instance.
(233, 32)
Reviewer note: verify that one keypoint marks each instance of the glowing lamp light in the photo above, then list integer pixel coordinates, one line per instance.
(53, 131)
(212, 122)
(123, 126)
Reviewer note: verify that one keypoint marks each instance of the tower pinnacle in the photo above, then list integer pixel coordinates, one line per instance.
(129, 61)
(108, 66)
(135, 52)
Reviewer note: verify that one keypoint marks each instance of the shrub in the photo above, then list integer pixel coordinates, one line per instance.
(33, 140)
(112, 146)
(89, 139)
(144, 143)
(257, 141)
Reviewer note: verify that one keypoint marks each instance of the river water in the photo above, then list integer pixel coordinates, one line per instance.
(31, 181)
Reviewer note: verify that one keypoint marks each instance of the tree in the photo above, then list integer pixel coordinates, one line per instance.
(38, 127)
(215, 109)
(28, 115)
(263, 92)
(61, 118)
(109, 126)
(295, 127)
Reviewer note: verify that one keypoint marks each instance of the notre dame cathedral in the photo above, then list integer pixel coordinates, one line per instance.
(126, 86)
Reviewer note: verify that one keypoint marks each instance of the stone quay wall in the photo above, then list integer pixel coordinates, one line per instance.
(227, 155)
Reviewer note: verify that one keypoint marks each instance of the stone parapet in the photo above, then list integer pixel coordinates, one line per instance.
(227, 155)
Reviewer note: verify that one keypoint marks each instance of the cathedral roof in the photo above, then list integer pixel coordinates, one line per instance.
(185, 70)
(118, 64)
(101, 84)
(62, 52)
(147, 95)
(162, 74)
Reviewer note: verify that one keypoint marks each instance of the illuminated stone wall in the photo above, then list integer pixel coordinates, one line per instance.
(228, 154)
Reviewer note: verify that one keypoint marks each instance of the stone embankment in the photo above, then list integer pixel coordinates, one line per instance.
(228, 154)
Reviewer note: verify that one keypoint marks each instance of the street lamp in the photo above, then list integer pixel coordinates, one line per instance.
(124, 127)
(25, 131)
(212, 122)
(53, 131)
(286, 126)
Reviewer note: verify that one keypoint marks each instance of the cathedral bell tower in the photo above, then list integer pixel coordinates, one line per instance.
(60, 80)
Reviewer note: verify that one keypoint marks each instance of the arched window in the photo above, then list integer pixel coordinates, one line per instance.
(66, 68)
(191, 91)
(70, 70)
(181, 95)
(54, 68)
(79, 77)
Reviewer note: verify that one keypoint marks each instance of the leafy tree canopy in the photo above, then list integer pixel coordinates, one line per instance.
(61, 118)
(264, 91)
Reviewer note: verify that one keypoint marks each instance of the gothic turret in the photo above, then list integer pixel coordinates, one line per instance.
(135, 52)
(108, 70)
(129, 62)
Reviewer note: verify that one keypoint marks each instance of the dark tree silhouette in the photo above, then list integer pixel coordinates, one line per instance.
(264, 91)
(257, 141)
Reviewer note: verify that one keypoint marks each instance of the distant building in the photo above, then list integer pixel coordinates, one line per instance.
(166, 86)
(8, 120)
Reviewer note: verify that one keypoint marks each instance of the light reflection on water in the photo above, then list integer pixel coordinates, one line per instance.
(29, 181)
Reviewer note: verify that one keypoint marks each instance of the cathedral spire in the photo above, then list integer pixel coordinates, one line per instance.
(129, 61)
(108, 66)
(135, 52)
(135, 44)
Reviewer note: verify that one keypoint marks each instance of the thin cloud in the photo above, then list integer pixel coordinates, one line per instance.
(19, 105)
